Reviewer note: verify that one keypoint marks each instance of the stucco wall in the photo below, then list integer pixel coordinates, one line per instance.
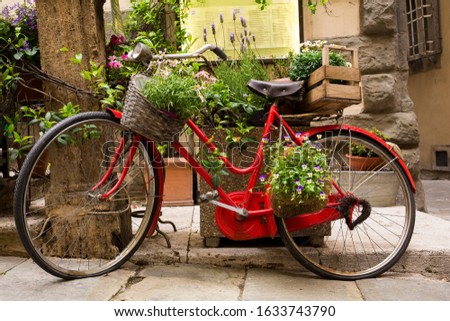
(429, 91)
(341, 20)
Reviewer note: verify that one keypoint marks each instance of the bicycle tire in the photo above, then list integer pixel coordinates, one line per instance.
(375, 245)
(67, 231)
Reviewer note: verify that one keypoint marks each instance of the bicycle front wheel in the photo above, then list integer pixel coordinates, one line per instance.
(63, 222)
(375, 245)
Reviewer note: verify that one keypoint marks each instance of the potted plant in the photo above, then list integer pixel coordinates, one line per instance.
(362, 159)
(298, 179)
(310, 58)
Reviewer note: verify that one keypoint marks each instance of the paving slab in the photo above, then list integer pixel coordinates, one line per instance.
(270, 285)
(7, 263)
(184, 282)
(404, 288)
(28, 282)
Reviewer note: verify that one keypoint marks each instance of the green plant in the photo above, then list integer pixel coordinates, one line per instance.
(362, 151)
(9, 78)
(36, 115)
(18, 42)
(214, 164)
(144, 23)
(21, 143)
(109, 93)
(310, 58)
(240, 116)
(182, 88)
(313, 4)
(298, 172)
(18, 32)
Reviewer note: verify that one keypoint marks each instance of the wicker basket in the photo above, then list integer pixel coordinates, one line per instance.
(141, 116)
(286, 208)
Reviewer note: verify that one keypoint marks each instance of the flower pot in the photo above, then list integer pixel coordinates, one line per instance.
(286, 208)
(360, 163)
(178, 186)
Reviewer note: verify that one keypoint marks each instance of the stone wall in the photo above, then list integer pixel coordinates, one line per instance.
(383, 45)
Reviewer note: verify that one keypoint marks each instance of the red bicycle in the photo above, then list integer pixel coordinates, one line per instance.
(91, 225)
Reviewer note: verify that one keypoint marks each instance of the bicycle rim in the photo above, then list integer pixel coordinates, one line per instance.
(63, 225)
(334, 250)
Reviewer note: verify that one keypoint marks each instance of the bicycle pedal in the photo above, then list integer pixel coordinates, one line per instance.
(209, 196)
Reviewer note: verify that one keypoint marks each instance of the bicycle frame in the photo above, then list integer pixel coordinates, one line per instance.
(260, 221)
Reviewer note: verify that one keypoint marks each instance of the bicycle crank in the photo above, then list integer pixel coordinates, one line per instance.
(210, 197)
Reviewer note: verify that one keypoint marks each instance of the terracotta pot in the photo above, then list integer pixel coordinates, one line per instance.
(178, 185)
(360, 163)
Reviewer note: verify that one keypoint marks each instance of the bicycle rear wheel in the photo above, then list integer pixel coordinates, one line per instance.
(376, 244)
(63, 224)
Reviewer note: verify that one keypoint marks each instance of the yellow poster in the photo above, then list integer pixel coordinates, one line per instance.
(236, 25)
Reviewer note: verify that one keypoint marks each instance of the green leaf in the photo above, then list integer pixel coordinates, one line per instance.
(77, 59)
(86, 75)
(18, 55)
(215, 180)
(14, 154)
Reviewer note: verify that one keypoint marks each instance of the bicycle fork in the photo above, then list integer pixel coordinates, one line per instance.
(119, 151)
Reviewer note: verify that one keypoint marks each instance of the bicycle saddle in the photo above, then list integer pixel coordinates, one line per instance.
(276, 89)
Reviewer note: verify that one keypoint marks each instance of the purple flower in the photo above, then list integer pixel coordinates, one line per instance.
(243, 22)
(243, 45)
(213, 28)
(262, 178)
(299, 189)
(254, 37)
(204, 34)
(221, 18)
(232, 37)
(21, 14)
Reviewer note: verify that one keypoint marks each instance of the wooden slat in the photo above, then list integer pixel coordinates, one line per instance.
(334, 73)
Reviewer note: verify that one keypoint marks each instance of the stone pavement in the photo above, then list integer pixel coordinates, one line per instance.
(250, 271)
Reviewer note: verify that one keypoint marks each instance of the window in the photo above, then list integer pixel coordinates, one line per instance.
(424, 33)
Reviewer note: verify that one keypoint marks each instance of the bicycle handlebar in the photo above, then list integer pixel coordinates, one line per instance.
(142, 53)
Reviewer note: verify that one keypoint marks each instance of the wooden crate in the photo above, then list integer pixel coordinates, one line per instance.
(324, 95)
